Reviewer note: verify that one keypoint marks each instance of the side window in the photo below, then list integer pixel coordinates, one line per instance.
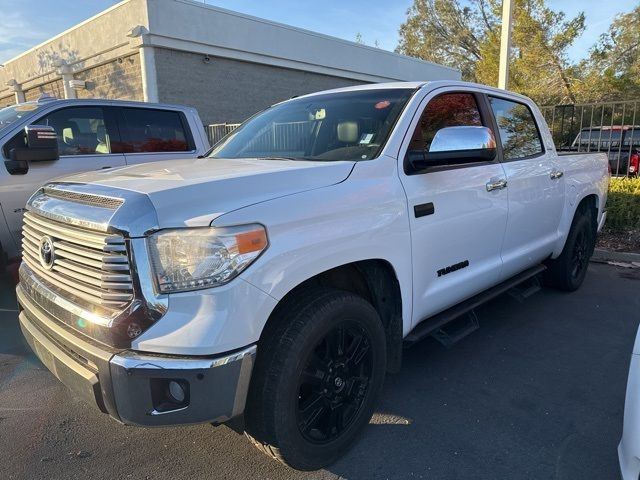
(518, 130)
(446, 110)
(148, 130)
(80, 131)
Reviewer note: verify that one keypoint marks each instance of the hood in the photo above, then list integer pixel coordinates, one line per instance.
(193, 192)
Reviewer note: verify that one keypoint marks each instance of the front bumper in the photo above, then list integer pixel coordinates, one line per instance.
(130, 386)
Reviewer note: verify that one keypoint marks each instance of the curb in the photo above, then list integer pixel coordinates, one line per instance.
(603, 256)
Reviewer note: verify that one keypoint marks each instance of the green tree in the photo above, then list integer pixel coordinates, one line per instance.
(447, 33)
(468, 38)
(612, 71)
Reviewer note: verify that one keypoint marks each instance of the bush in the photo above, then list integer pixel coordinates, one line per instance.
(623, 204)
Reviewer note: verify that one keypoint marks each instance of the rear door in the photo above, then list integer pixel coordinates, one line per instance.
(150, 135)
(457, 224)
(535, 186)
(86, 136)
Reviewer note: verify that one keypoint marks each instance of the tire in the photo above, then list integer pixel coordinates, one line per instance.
(309, 398)
(567, 272)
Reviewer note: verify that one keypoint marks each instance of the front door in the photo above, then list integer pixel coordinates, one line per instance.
(84, 142)
(457, 222)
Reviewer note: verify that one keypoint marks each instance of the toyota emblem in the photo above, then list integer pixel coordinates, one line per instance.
(46, 253)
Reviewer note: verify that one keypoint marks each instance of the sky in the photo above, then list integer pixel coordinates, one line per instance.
(25, 23)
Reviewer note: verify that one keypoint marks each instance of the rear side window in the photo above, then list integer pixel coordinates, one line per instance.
(518, 129)
(147, 130)
(446, 110)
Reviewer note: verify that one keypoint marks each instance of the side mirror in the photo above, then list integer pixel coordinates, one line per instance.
(41, 146)
(455, 145)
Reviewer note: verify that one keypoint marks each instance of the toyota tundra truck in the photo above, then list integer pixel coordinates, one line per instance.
(276, 280)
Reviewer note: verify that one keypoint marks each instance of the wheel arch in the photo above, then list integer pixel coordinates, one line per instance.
(373, 279)
(588, 202)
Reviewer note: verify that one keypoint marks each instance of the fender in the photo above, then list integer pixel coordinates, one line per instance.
(363, 218)
(568, 215)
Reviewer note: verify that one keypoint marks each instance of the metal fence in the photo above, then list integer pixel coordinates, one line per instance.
(281, 137)
(217, 131)
(611, 127)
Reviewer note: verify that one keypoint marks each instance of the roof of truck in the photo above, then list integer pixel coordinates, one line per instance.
(100, 101)
(416, 85)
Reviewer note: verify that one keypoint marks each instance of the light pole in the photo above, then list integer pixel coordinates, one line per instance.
(505, 44)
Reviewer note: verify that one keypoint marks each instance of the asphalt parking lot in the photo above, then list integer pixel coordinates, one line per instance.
(536, 393)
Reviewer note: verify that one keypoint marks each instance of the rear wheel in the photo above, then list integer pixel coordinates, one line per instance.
(317, 378)
(567, 272)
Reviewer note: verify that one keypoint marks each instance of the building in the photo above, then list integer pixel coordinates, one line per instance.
(226, 64)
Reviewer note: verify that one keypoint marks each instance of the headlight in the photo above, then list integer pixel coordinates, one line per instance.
(194, 258)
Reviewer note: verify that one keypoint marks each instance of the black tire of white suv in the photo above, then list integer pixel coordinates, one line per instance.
(319, 372)
(567, 272)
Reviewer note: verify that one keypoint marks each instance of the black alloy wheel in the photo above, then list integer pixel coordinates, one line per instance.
(318, 374)
(580, 256)
(334, 383)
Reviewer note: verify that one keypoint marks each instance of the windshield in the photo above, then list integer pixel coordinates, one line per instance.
(335, 126)
(12, 114)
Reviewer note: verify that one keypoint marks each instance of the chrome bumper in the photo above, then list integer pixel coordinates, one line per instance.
(130, 386)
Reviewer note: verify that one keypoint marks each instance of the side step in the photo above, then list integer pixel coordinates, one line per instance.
(436, 323)
(526, 289)
(459, 328)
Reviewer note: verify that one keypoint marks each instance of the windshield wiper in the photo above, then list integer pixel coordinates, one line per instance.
(291, 159)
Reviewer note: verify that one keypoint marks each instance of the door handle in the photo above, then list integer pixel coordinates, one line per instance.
(104, 168)
(556, 174)
(497, 185)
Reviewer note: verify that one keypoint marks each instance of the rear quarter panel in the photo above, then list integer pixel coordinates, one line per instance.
(585, 174)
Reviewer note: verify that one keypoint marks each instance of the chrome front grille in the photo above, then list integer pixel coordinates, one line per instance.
(88, 267)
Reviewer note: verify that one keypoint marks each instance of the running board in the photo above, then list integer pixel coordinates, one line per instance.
(453, 332)
(434, 325)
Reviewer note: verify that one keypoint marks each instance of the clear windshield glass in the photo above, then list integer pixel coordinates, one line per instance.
(336, 126)
(15, 113)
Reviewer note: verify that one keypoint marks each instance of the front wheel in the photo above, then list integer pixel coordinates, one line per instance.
(318, 375)
(567, 272)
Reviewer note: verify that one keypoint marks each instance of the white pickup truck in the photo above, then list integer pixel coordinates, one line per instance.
(280, 276)
(91, 135)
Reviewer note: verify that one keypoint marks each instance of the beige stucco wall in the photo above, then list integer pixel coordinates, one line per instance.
(100, 39)
(120, 79)
(7, 100)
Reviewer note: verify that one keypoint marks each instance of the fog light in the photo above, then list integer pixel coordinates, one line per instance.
(176, 391)
(169, 394)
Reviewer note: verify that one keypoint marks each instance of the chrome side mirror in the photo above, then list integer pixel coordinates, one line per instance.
(456, 145)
